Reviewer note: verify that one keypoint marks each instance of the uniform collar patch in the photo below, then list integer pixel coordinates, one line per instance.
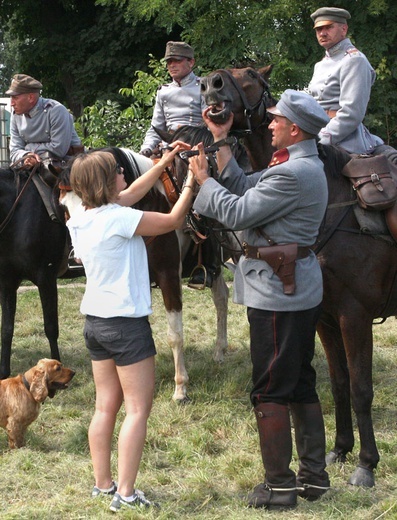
(279, 157)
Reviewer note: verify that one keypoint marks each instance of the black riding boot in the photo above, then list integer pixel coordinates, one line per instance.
(279, 488)
(203, 276)
(312, 479)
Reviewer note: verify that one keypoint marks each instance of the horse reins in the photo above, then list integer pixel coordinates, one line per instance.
(6, 221)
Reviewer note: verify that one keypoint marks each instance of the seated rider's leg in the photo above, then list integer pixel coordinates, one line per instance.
(388, 151)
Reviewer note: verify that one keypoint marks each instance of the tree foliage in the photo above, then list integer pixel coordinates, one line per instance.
(231, 33)
(80, 51)
(87, 50)
(107, 124)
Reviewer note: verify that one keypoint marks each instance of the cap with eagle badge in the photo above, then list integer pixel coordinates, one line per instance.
(302, 109)
(178, 50)
(329, 15)
(23, 84)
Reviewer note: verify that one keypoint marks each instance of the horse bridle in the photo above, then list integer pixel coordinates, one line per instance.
(260, 106)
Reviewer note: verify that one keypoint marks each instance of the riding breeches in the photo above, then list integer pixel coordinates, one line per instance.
(282, 350)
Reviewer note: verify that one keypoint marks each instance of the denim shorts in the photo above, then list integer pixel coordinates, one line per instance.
(125, 340)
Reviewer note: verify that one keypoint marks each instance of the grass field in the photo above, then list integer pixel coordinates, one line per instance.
(200, 460)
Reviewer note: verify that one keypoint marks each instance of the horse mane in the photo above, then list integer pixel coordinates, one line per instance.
(334, 159)
(193, 135)
(127, 160)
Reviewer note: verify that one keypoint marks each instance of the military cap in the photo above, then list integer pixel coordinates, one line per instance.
(302, 109)
(178, 50)
(23, 84)
(329, 15)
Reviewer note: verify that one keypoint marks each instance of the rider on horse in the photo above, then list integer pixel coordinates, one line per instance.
(39, 127)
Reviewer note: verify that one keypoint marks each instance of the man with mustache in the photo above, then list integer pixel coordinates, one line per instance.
(342, 83)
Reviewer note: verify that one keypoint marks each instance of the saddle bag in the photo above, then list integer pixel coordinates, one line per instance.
(372, 180)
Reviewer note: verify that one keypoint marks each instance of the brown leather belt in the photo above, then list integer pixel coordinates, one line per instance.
(255, 252)
(331, 113)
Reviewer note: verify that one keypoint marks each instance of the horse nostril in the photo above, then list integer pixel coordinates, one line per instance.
(217, 82)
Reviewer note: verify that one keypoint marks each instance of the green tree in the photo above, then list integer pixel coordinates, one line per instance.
(107, 124)
(237, 32)
(80, 51)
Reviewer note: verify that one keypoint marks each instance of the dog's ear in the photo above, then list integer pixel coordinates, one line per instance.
(38, 386)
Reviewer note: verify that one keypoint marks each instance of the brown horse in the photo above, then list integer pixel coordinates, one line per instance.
(358, 271)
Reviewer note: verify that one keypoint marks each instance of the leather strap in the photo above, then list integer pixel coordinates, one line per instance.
(255, 252)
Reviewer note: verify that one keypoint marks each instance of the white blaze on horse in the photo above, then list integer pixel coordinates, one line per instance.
(165, 256)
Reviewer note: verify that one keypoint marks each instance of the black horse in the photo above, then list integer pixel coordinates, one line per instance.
(32, 247)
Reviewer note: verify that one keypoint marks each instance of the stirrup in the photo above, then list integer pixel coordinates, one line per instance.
(72, 264)
(198, 286)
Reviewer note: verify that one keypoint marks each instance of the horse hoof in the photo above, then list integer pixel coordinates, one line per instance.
(333, 457)
(183, 401)
(362, 477)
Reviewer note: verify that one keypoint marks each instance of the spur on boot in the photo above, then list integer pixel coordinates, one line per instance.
(272, 497)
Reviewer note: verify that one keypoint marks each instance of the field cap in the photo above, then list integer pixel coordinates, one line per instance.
(302, 109)
(178, 50)
(23, 84)
(329, 15)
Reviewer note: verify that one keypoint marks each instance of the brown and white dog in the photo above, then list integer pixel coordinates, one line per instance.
(21, 396)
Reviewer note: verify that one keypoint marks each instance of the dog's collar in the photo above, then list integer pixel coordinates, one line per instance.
(25, 382)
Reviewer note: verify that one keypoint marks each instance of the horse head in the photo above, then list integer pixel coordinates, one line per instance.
(243, 92)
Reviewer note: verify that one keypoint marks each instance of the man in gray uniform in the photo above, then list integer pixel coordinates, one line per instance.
(179, 102)
(39, 126)
(279, 280)
(342, 83)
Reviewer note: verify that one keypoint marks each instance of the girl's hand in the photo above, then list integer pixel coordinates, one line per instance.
(171, 150)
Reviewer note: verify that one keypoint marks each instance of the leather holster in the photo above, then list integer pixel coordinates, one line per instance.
(281, 258)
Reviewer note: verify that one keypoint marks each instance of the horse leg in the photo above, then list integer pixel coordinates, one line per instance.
(331, 339)
(172, 296)
(8, 301)
(359, 348)
(349, 354)
(49, 302)
(175, 340)
(165, 271)
(220, 296)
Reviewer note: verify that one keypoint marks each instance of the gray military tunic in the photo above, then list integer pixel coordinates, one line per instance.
(47, 128)
(342, 82)
(287, 202)
(176, 105)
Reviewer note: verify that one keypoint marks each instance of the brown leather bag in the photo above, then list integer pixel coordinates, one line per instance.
(372, 181)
